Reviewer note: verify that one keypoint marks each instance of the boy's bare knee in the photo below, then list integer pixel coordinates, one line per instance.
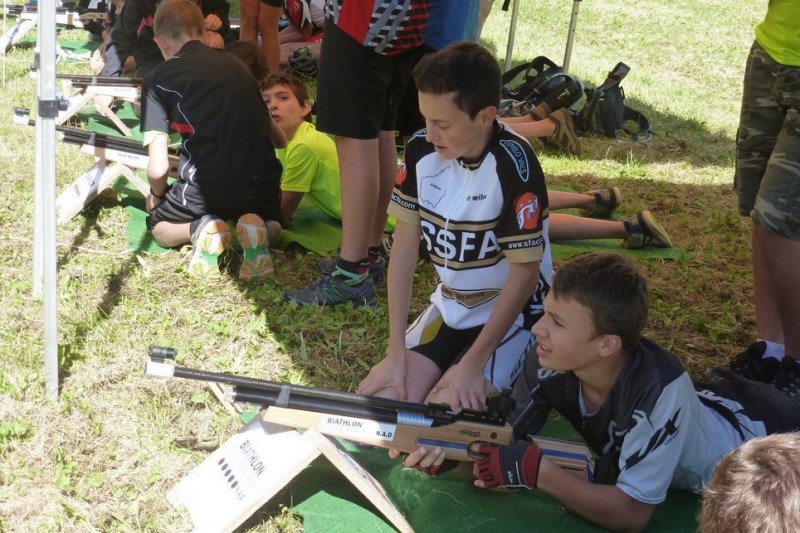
(169, 235)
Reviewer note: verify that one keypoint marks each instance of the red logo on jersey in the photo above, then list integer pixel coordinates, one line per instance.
(527, 208)
(401, 174)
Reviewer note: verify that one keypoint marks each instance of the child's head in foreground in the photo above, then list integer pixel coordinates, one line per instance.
(756, 487)
(597, 304)
(177, 20)
(459, 93)
(287, 100)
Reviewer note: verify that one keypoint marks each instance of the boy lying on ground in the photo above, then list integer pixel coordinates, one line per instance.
(650, 426)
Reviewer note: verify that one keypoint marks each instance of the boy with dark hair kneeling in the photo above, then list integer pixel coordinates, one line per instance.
(228, 168)
(473, 190)
(631, 400)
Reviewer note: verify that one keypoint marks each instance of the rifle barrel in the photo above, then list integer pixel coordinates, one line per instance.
(293, 391)
(80, 80)
(80, 136)
(318, 405)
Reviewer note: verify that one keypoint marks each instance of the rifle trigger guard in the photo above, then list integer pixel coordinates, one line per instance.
(283, 396)
(475, 456)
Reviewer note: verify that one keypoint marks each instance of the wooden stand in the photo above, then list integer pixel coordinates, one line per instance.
(90, 93)
(252, 466)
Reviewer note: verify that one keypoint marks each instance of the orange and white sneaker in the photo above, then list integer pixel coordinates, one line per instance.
(209, 241)
(257, 261)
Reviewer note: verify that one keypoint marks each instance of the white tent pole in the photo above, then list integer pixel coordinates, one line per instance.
(511, 32)
(38, 215)
(573, 21)
(46, 180)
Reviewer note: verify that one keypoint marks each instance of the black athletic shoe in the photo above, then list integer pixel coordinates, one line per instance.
(750, 364)
(787, 378)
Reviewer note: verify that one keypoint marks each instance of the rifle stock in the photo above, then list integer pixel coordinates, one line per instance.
(453, 438)
(364, 419)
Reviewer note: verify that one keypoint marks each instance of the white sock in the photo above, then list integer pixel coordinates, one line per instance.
(774, 350)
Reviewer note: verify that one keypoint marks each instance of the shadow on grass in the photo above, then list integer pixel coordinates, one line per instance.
(115, 283)
(701, 305)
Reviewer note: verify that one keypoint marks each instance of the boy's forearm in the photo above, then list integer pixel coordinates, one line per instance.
(400, 284)
(516, 291)
(158, 164)
(289, 202)
(605, 505)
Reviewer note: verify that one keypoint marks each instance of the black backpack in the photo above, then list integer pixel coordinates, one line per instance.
(543, 81)
(605, 111)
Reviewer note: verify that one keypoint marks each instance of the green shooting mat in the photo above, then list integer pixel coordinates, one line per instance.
(328, 503)
(310, 228)
(313, 230)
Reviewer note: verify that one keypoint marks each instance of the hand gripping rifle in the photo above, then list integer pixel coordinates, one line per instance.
(370, 420)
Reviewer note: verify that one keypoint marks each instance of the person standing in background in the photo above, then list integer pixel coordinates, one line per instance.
(260, 17)
(767, 183)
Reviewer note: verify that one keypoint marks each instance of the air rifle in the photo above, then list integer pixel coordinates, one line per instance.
(109, 147)
(364, 419)
(83, 80)
(127, 88)
(116, 156)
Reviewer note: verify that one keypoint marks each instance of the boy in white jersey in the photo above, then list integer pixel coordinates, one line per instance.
(474, 191)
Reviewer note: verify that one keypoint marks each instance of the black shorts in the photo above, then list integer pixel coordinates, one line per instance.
(359, 91)
(445, 346)
(760, 401)
(409, 119)
(184, 202)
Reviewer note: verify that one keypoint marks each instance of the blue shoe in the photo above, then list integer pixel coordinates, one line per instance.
(377, 270)
(332, 290)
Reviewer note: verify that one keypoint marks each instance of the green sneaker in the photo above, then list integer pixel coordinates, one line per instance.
(209, 241)
(605, 202)
(644, 232)
(332, 290)
(257, 261)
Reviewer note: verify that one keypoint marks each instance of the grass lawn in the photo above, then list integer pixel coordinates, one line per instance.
(104, 455)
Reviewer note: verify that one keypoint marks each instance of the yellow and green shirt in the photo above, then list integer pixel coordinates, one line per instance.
(779, 33)
(311, 166)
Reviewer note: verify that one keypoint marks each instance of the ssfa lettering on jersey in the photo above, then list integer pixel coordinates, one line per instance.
(477, 246)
